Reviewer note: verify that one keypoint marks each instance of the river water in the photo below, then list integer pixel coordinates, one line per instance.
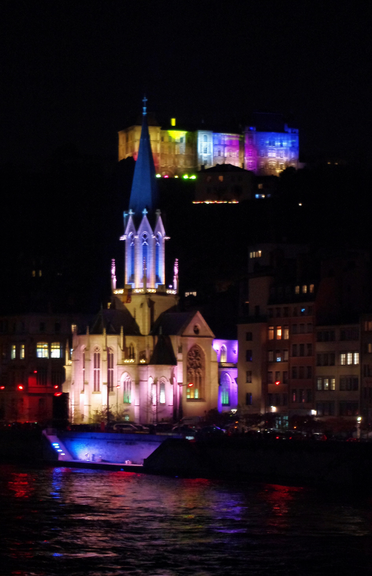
(66, 521)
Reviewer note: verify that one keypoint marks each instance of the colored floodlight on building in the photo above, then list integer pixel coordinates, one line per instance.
(158, 175)
(185, 176)
(193, 177)
(166, 176)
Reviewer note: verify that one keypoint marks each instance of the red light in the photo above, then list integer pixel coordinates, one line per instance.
(20, 387)
(56, 387)
(277, 382)
(58, 394)
(35, 371)
(2, 387)
(190, 384)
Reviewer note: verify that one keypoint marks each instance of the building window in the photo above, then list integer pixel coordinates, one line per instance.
(349, 409)
(294, 395)
(285, 332)
(325, 408)
(248, 399)
(96, 370)
(270, 379)
(294, 350)
(57, 378)
(248, 376)
(248, 336)
(41, 377)
(162, 392)
(278, 332)
(285, 377)
(42, 350)
(348, 383)
(349, 358)
(13, 352)
(367, 325)
(195, 373)
(297, 289)
(248, 355)
(326, 383)
(225, 389)
(270, 355)
(285, 355)
(22, 352)
(55, 350)
(271, 333)
(127, 385)
(278, 356)
(110, 370)
(294, 372)
(223, 356)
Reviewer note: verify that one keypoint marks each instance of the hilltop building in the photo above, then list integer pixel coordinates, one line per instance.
(265, 149)
(141, 358)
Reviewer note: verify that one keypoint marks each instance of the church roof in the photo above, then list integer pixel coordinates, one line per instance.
(112, 320)
(163, 353)
(144, 188)
(172, 323)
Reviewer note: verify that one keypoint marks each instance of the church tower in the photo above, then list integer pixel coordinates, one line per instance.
(145, 294)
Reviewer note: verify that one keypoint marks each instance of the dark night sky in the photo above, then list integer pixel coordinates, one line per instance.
(74, 72)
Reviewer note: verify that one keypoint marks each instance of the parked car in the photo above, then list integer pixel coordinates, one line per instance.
(142, 428)
(124, 427)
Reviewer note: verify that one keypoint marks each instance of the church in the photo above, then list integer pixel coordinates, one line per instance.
(141, 358)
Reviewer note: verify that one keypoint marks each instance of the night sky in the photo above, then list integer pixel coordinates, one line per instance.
(75, 72)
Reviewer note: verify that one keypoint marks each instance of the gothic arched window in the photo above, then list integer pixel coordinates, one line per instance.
(225, 383)
(223, 355)
(110, 370)
(127, 388)
(131, 258)
(195, 373)
(158, 258)
(145, 252)
(96, 370)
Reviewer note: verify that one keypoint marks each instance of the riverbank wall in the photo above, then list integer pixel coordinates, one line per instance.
(301, 463)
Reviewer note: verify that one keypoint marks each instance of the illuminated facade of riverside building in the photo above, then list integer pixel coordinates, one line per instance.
(140, 357)
(181, 153)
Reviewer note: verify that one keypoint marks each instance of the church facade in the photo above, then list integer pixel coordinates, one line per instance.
(141, 359)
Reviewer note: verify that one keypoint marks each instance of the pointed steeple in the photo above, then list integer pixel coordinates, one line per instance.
(144, 189)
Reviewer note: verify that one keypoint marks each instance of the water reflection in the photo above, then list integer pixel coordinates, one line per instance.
(75, 521)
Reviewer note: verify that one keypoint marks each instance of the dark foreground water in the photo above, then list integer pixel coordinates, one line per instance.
(63, 521)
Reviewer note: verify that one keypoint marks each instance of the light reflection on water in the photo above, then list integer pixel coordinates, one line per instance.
(62, 521)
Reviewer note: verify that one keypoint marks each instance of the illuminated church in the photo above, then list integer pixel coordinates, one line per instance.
(141, 357)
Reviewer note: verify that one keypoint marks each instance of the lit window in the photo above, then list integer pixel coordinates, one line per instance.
(297, 290)
(110, 370)
(311, 288)
(162, 393)
(223, 356)
(278, 332)
(349, 358)
(42, 350)
(343, 358)
(285, 332)
(22, 352)
(271, 333)
(13, 352)
(356, 357)
(55, 350)
(304, 289)
(248, 376)
(127, 384)
(96, 370)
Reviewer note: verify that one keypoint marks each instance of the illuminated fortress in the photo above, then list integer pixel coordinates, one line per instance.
(263, 149)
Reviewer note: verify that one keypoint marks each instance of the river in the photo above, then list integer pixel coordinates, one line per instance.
(72, 522)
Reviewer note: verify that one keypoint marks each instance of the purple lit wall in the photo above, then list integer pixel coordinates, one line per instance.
(227, 357)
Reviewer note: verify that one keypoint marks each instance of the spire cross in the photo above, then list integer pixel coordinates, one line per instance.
(144, 109)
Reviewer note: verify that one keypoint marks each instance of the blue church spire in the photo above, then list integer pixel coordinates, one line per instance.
(144, 189)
